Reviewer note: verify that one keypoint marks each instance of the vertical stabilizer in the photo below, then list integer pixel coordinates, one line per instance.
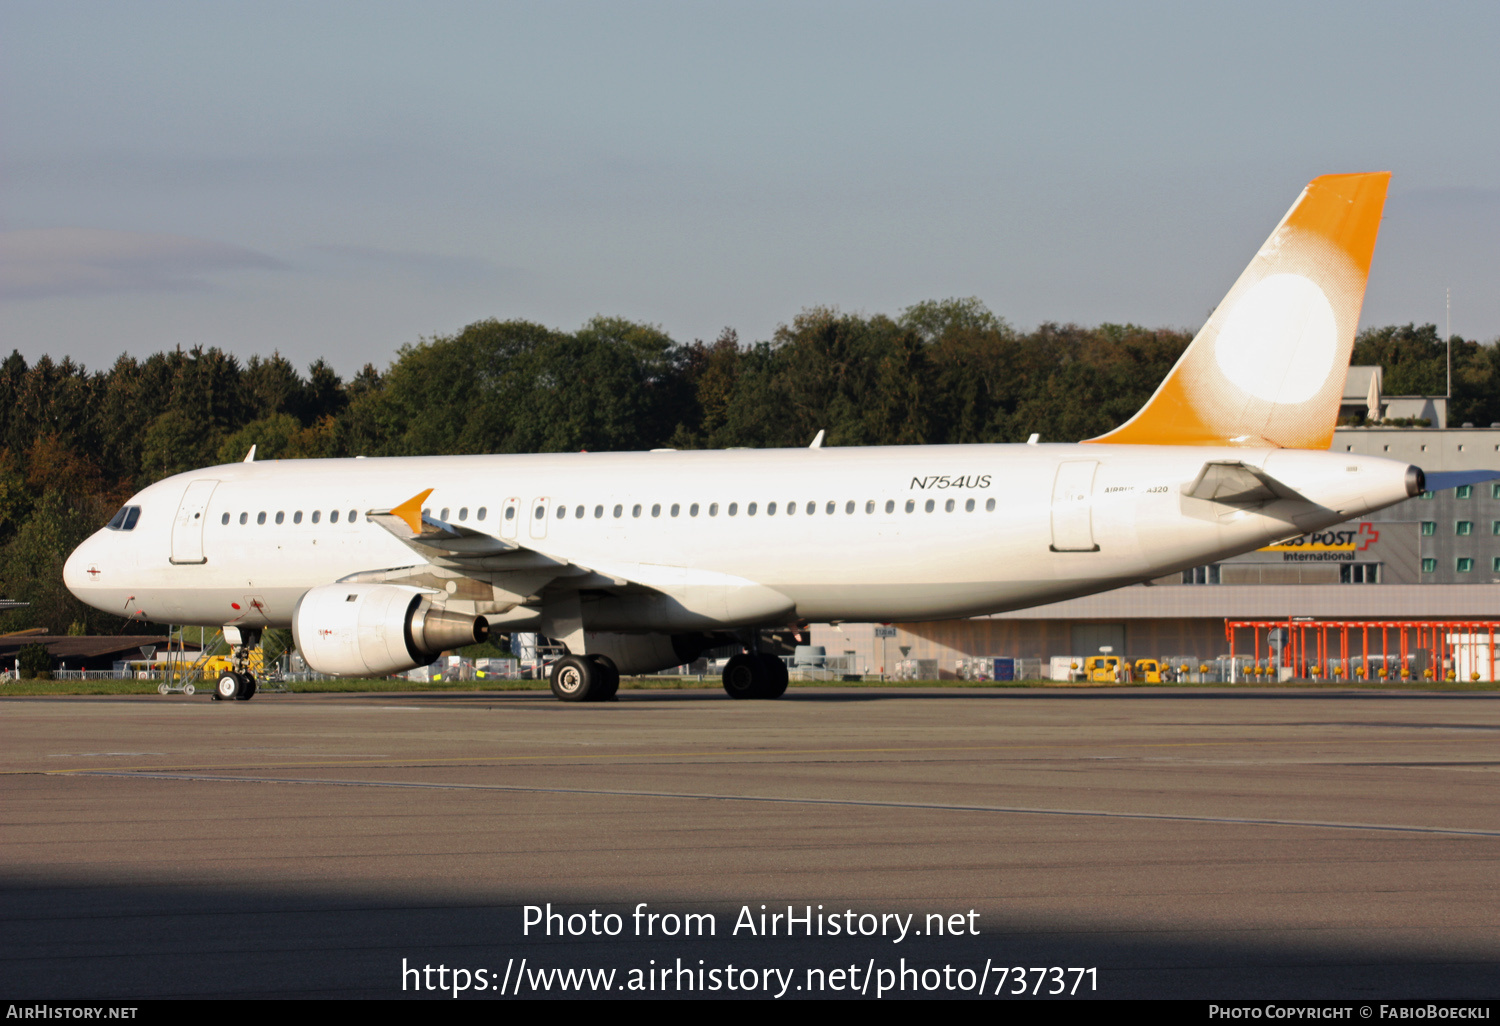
(1268, 368)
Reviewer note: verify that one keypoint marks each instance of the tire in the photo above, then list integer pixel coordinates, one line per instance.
(745, 676)
(609, 678)
(575, 679)
(777, 676)
(248, 687)
(188, 689)
(227, 687)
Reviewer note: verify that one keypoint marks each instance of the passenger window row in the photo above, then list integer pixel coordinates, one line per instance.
(126, 518)
(280, 517)
(753, 508)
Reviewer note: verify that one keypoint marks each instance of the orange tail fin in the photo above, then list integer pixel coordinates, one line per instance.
(1268, 368)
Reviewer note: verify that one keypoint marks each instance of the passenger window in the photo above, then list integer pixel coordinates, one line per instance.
(911, 505)
(635, 510)
(483, 512)
(598, 512)
(969, 506)
(463, 513)
(930, 504)
(989, 505)
(333, 516)
(676, 509)
(225, 520)
(831, 507)
(541, 513)
(510, 512)
(693, 510)
(713, 509)
(444, 517)
(562, 511)
(280, 517)
(656, 509)
(770, 509)
(618, 510)
(297, 517)
(317, 515)
(869, 506)
(812, 507)
(260, 518)
(578, 513)
(849, 506)
(244, 518)
(734, 508)
(791, 508)
(426, 513)
(353, 516)
(890, 505)
(948, 506)
(750, 510)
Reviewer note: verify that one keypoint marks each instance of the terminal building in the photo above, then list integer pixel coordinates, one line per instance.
(1433, 557)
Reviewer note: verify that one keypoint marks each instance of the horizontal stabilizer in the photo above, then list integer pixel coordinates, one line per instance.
(1445, 479)
(1232, 483)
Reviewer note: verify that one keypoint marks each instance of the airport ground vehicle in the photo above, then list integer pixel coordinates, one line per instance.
(1102, 669)
(1146, 671)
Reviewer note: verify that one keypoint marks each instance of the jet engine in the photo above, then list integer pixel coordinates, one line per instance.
(371, 630)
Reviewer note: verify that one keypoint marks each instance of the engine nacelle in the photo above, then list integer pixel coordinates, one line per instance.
(371, 630)
(647, 653)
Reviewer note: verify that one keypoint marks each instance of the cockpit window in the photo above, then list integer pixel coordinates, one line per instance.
(125, 519)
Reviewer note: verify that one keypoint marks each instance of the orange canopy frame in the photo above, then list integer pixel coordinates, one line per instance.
(1326, 649)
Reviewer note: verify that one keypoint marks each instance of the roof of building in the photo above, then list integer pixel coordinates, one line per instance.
(62, 646)
(1274, 601)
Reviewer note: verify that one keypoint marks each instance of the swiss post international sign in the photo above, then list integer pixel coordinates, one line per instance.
(1335, 545)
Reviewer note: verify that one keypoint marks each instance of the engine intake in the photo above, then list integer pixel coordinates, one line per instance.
(353, 630)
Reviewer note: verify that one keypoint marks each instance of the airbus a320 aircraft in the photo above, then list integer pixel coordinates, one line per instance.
(640, 561)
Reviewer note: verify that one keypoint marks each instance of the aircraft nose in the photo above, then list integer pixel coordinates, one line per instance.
(76, 574)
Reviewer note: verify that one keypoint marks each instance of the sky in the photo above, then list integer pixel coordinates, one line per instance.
(338, 180)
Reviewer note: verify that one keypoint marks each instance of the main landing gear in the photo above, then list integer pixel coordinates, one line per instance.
(238, 683)
(755, 675)
(585, 679)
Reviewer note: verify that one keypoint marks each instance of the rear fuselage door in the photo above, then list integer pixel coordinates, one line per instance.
(187, 529)
(1072, 507)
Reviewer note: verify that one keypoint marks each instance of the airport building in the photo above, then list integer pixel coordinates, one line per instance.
(1433, 557)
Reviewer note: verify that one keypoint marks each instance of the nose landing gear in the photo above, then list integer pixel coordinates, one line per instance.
(239, 683)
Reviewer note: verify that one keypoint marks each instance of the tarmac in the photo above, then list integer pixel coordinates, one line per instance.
(1213, 844)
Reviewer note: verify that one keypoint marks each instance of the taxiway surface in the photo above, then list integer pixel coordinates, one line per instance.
(1215, 843)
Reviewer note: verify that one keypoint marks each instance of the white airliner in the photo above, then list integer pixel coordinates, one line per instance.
(639, 561)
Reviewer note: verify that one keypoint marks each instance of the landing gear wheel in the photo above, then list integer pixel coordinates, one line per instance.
(228, 687)
(247, 687)
(575, 679)
(609, 679)
(745, 676)
(777, 676)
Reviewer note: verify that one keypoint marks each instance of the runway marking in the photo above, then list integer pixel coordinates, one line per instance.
(781, 800)
(490, 760)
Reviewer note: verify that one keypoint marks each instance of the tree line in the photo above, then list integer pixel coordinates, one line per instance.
(75, 443)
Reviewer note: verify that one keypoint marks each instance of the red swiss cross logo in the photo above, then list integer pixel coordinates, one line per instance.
(1367, 535)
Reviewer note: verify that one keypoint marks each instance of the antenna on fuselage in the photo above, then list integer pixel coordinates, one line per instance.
(250, 456)
(817, 443)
